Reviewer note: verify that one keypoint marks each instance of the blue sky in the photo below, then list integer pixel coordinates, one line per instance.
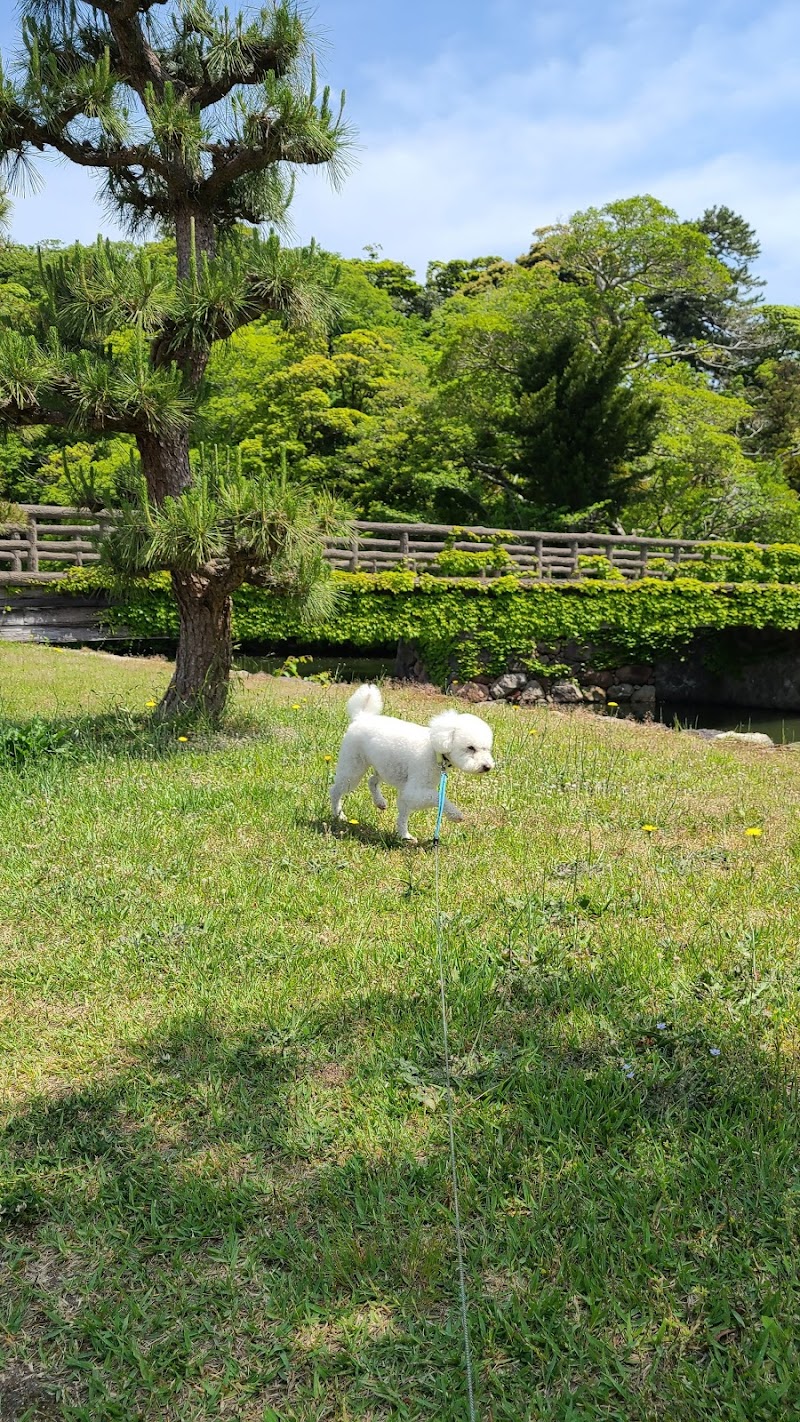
(479, 120)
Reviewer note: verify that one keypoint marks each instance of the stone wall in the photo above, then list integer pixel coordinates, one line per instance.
(629, 687)
(748, 667)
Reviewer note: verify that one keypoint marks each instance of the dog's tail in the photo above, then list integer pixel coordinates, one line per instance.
(367, 700)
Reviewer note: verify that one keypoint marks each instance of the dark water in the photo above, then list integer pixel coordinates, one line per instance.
(341, 668)
(782, 726)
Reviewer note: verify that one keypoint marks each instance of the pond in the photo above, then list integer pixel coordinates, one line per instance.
(344, 667)
(782, 726)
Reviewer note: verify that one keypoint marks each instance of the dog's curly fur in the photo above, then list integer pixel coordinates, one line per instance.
(407, 756)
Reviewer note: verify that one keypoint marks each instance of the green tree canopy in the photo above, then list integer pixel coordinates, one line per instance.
(194, 118)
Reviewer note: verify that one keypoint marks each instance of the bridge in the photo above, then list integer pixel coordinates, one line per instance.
(54, 539)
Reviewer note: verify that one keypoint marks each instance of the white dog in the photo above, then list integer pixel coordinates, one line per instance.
(409, 757)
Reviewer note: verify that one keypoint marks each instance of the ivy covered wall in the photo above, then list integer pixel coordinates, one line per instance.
(471, 626)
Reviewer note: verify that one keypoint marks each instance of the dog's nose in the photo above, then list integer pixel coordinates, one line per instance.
(490, 766)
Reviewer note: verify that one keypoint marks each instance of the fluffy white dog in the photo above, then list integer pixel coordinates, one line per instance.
(409, 757)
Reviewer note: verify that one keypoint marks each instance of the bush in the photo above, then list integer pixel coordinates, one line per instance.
(595, 565)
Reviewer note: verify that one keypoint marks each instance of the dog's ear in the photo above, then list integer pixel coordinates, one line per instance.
(443, 729)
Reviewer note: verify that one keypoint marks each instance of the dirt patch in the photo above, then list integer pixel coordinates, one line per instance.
(29, 1394)
(331, 1074)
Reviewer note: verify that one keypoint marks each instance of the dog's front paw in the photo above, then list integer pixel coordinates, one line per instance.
(455, 815)
(408, 839)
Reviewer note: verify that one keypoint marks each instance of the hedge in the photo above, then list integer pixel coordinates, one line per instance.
(472, 625)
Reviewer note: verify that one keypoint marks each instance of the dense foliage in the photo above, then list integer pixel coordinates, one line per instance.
(623, 373)
(194, 119)
(478, 626)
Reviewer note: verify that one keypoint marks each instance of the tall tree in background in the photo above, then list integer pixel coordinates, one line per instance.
(194, 120)
(578, 424)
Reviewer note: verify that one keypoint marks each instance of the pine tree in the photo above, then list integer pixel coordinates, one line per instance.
(194, 120)
(578, 421)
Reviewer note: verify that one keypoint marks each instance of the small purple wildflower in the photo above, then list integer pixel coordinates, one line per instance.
(661, 1026)
(715, 1051)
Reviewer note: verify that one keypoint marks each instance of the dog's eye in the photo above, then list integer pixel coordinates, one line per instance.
(471, 748)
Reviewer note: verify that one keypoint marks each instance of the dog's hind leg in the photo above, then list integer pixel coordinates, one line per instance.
(374, 790)
(349, 773)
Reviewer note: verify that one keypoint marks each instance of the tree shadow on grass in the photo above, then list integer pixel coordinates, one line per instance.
(257, 1224)
(40, 743)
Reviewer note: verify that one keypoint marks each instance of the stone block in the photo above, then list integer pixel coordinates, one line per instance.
(532, 694)
(473, 691)
(637, 675)
(507, 685)
(603, 679)
(566, 693)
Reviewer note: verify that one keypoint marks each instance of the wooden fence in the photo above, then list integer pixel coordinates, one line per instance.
(52, 540)
(55, 539)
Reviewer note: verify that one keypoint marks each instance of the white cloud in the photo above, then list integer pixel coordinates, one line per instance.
(466, 155)
(512, 151)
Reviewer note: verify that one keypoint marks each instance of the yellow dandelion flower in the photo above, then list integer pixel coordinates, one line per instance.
(149, 704)
(296, 706)
(649, 829)
(328, 759)
(533, 732)
(754, 831)
(352, 822)
(184, 739)
(612, 703)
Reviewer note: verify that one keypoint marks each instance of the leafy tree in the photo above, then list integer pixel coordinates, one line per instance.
(627, 253)
(538, 387)
(464, 277)
(194, 120)
(721, 331)
(89, 476)
(697, 481)
(10, 515)
(396, 279)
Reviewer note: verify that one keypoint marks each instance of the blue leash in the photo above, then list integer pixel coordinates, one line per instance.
(440, 814)
(462, 1280)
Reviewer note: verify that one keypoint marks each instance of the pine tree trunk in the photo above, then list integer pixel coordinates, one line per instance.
(203, 663)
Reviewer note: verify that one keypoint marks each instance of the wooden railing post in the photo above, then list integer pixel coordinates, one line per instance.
(33, 546)
(354, 550)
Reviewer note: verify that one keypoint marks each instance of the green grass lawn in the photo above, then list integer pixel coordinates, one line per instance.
(223, 1164)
